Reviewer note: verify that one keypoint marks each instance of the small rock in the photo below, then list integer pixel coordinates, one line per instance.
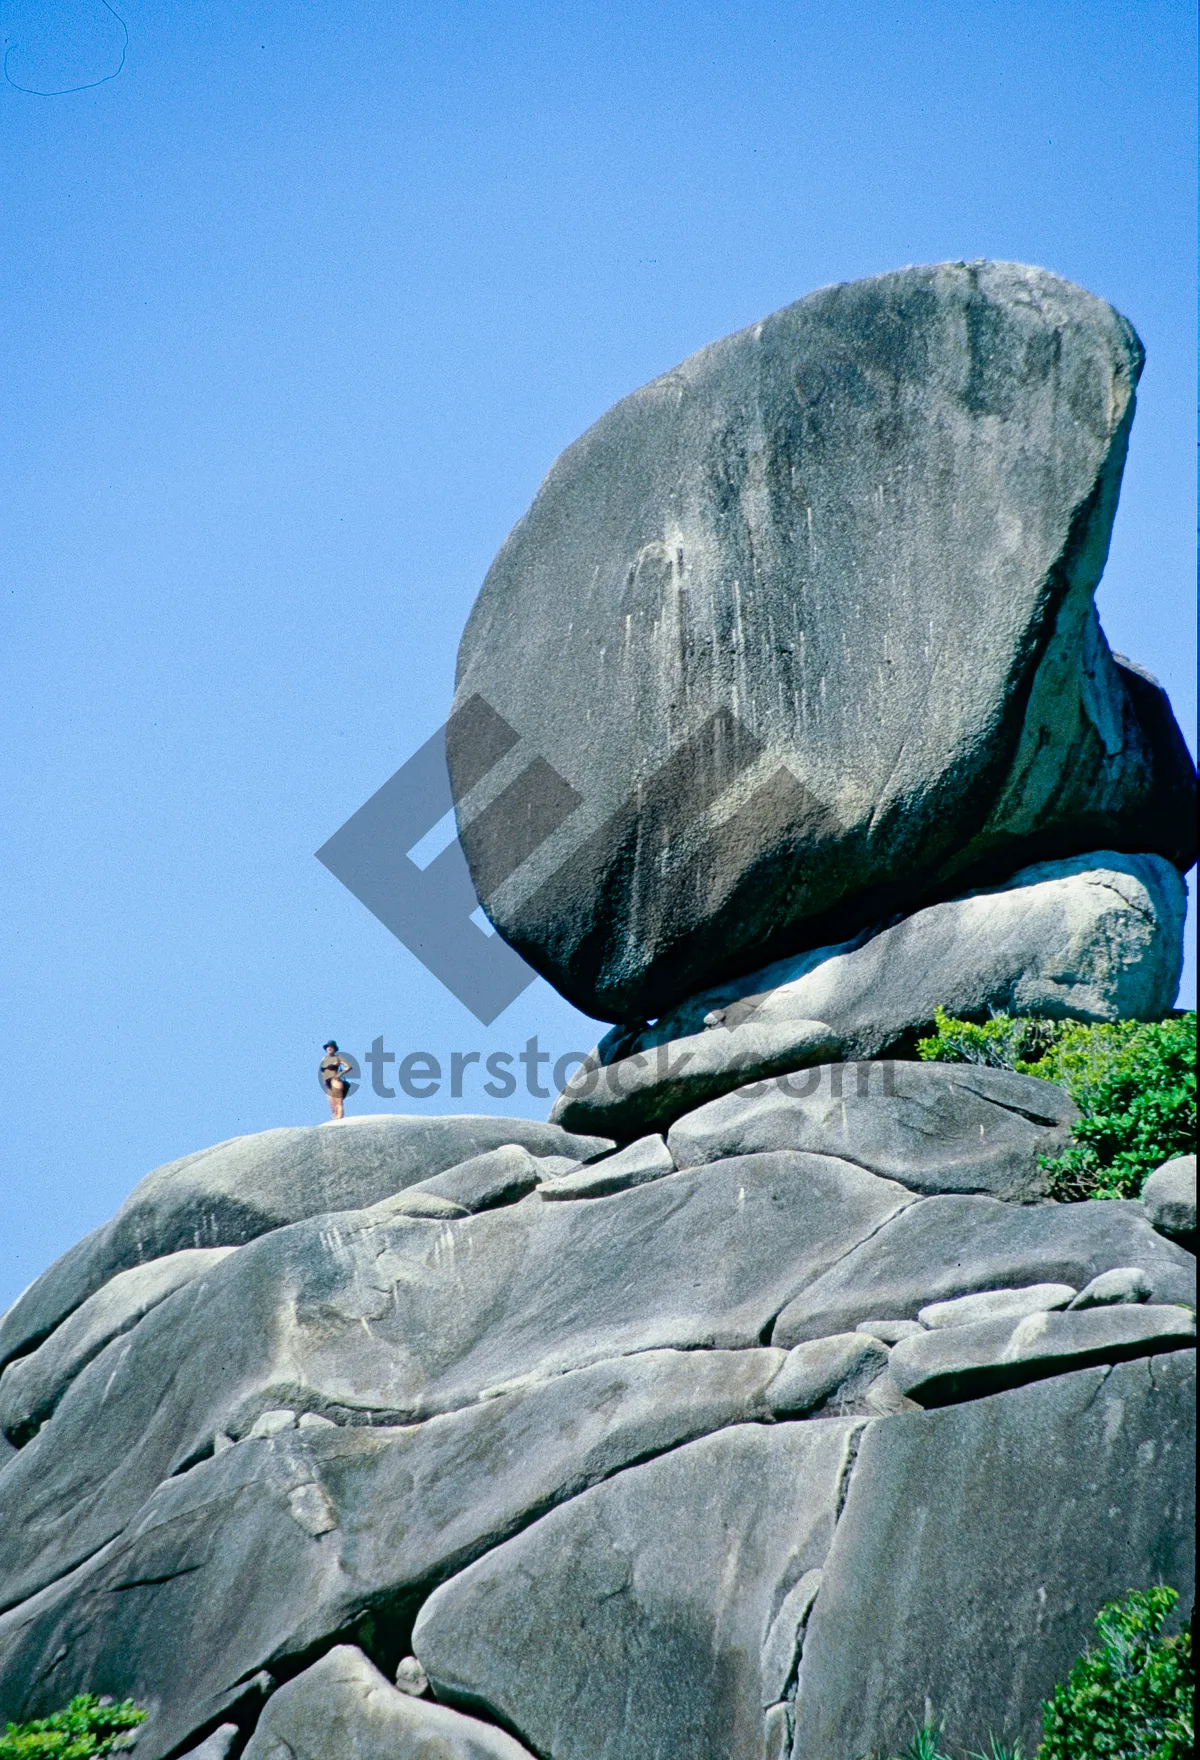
(272, 1423)
(647, 1159)
(1124, 1283)
(424, 1205)
(996, 1304)
(221, 1442)
(831, 1372)
(502, 1176)
(966, 1362)
(217, 1746)
(314, 1421)
(1170, 1197)
(890, 1331)
(411, 1677)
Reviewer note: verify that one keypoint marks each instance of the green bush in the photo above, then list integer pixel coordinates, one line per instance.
(1131, 1698)
(86, 1730)
(1133, 1081)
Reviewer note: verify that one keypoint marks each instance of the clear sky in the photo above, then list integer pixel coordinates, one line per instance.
(295, 312)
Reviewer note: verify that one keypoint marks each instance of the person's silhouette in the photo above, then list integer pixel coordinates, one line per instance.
(334, 1070)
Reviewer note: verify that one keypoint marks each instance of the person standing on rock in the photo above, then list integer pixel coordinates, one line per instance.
(334, 1070)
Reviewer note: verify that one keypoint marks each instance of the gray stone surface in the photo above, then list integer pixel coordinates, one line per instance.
(647, 1159)
(1096, 938)
(1124, 1283)
(502, 1176)
(391, 1323)
(934, 1127)
(977, 1545)
(777, 524)
(1170, 1197)
(241, 1189)
(342, 1708)
(278, 1545)
(945, 1247)
(963, 1362)
(32, 1386)
(827, 1373)
(997, 1304)
(648, 1602)
(218, 1746)
(890, 1331)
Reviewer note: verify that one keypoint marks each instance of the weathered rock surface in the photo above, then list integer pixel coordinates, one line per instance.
(934, 1127)
(647, 1159)
(32, 1386)
(777, 525)
(976, 1545)
(503, 1176)
(218, 1746)
(390, 1323)
(241, 1189)
(827, 1373)
(1170, 1198)
(998, 1304)
(952, 1246)
(342, 1708)
(961, 1362)
(1124, 1283)
(276, 1545)
(649, 1601)
(1095, 938)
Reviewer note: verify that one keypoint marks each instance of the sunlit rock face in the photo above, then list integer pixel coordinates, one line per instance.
(803, 631)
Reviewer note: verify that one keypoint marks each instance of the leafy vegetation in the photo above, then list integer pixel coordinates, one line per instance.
(88, 1729)
(1132, 1697)
(1133, 1081)
(1129, 1698)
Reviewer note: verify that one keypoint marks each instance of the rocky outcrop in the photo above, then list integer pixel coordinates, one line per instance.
(242, 1189)
(817, 609)
(298, 1446)
(762, 1404)
(933, 1127)
(1099, 938)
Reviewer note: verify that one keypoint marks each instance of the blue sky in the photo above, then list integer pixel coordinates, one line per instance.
(296, 311)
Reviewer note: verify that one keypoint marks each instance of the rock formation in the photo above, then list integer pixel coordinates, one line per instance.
(817, 609)
(762, 1403)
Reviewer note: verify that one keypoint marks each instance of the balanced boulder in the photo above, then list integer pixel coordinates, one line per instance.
(802, 632)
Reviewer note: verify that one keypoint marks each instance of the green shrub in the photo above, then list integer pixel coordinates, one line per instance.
(86, 1730)
(1131, 1698)
(1133, 1081)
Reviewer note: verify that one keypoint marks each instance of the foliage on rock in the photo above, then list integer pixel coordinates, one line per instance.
(1133, 1081)
(88, 1729)
(1130, 1698)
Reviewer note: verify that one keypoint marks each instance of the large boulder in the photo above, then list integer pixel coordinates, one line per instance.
(934, 1127)
(224, 1196)
(314, 1433)
(342, 1708)
(978, 1543)
(836, 1579)
(801, 634)
(650, 1602)
(267, 1551)
(1096, 938)
(370, 1322)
